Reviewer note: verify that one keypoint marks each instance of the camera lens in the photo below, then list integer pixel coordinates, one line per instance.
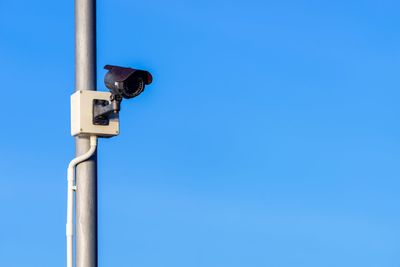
(133, 86)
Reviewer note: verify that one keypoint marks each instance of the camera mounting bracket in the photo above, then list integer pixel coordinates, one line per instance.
(102, 109)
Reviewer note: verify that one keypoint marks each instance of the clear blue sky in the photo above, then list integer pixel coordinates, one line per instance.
(270, 136)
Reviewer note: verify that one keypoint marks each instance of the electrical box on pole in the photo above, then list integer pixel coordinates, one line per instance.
(84, 105)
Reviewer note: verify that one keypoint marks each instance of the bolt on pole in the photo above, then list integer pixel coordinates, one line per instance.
(86, 172)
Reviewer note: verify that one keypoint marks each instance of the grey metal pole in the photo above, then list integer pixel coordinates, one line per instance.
(86, 173)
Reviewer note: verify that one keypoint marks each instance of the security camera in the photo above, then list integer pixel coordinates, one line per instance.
(122, 83)
(126, 82)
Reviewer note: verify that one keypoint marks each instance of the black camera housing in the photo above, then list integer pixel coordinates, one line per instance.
(122, 83)
(126, 82)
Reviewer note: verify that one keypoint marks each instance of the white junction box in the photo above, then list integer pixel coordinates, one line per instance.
(82, 115)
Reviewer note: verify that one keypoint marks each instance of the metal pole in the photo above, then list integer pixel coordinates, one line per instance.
(86, 173)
